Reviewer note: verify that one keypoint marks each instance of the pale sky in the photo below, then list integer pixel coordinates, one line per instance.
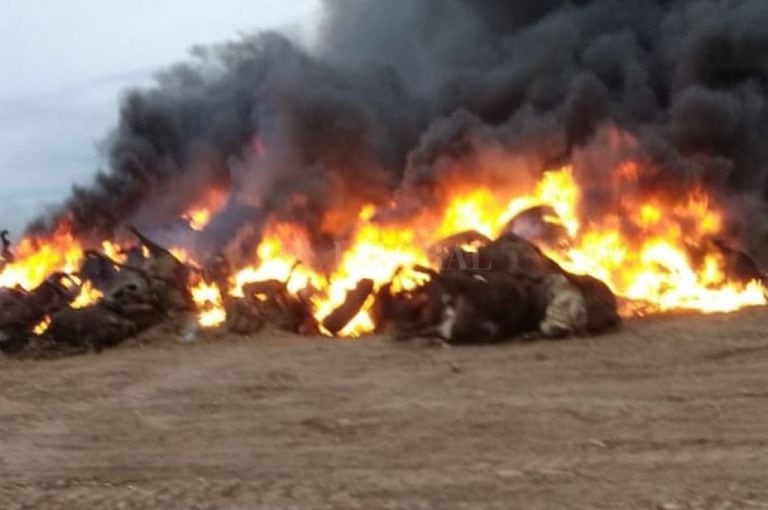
(64, 64)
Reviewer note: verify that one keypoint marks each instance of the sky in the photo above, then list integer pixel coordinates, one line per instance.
(64, 65)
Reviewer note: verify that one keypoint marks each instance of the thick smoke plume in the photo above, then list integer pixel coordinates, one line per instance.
(398, 97)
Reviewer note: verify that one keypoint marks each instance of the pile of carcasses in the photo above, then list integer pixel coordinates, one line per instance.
(146, 290)
(492, 291)
(501, 289)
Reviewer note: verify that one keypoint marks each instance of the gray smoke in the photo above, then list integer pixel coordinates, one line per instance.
(399, 95)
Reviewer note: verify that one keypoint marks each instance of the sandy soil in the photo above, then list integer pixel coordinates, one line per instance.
(670, 413)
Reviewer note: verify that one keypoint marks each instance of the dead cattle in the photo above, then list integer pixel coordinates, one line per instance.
(566, 309)
(509, 289)
(132, 296)
(479, 307)
(243, 317)
(98, 269)
(538, 224)
(513, 254)
(403, 311)
(600, 303)
(572, 304)
(15, 310)
(13, 340)
(21, 310)
(94, 327)
(168, 276)
(270, 302)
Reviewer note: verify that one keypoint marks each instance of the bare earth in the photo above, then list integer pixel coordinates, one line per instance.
(670, 413)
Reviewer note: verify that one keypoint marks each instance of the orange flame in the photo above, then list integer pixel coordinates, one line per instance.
(201, 214)
(655, 271)
(113, 251)
(87, 296)
(652, 267)
(208, 299)
(658, 269)
(199, 218)
(36, 259)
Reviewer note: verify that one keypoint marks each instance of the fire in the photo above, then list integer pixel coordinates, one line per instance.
(199, 218)
(42, 326)
(376, 253)
(210, 305)
(113, 251)
(201, 214)
(36, 259)
(642, 250)
(652, 269)
(276, 262)
(273, 262)
(87, 296)
(657, 269)
(476, 210)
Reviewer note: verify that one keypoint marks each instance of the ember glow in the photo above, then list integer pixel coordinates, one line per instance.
(652, 269)
(42, 326)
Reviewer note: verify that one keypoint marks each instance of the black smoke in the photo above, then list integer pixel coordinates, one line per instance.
(395, 95)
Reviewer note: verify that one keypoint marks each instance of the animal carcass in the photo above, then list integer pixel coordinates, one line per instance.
(94, 327)
(506, 288)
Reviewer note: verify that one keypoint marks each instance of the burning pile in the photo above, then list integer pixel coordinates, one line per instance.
(395, 176)
(492, 264)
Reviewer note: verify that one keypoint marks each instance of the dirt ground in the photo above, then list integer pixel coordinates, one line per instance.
(670, 413)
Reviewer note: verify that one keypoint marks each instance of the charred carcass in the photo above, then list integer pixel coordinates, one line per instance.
(168, 277)
(269, 302)
(477, 306)
(93, 328)
(132, 296)
(506, 288)
(98, 269)
(21, 311)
